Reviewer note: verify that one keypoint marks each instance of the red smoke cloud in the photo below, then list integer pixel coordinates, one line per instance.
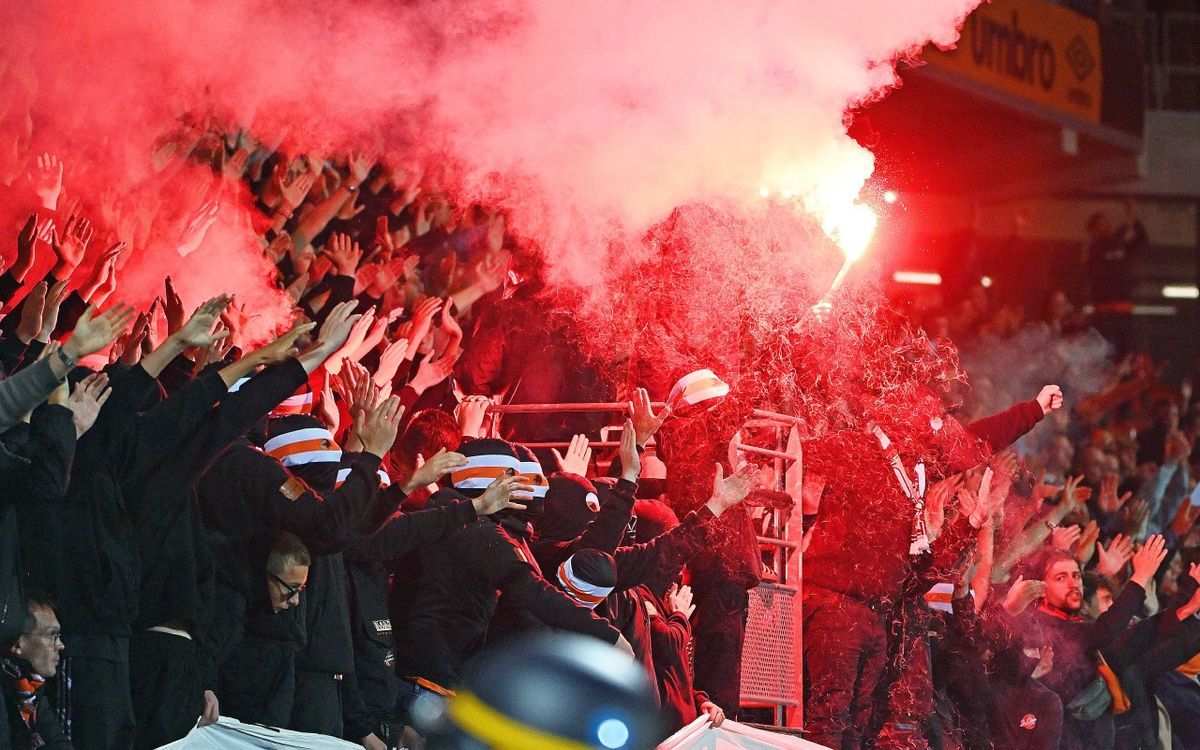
(589, 122)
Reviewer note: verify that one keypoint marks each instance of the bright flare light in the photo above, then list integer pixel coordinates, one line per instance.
(889, 196)
(852, 228)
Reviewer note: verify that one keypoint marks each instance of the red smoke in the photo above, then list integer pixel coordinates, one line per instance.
(589, 122)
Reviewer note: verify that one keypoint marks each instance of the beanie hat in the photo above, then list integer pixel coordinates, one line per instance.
(695, 393)
(487, 460)
(306, 448)
(303, 401)
(588, 576)
(571, 503)
(531, 469)
(654, 519)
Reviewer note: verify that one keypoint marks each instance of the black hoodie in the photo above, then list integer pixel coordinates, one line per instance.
(442, 601)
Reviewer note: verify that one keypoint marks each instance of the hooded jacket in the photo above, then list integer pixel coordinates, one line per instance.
(442, 601)
(861, 537)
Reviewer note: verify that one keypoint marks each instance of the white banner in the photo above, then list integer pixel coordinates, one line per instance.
(732, 736)
(231, 734)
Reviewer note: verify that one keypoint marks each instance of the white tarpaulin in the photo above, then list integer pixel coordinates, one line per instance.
(700, 735)
(231, 734)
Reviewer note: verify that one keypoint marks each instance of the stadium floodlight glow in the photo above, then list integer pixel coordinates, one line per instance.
(1181, 291)
(917, 277)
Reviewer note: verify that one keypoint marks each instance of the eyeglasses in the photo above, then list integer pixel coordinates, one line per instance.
(289, 589)
(54, 637)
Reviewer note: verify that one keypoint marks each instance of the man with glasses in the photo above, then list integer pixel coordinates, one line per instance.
(250, 650)
(29, 720)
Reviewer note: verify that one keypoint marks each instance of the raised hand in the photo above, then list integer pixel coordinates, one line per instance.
(376, 429)
(94, 332)
(360, 166)
(1147, 559)
(442, 463)
(1064, 537)
(1021, 594)
(46, 177)
(679, 599)
(390, 361)
(293, 192)
(1050, 398)
(173, 307)
(578, 458)
(1113, 557)
(1074, 494)
(1045, 663)
(344, 253)
(645, 422)
(31, 313)
(1108, 501)
(87, 400)
(631, 461)
(501, 493)
(199, 330)
(731, 490)
(197, 227)
(283, 347)
(433, 371)
(50, 310)
(422, 319)
(71, 244)
(338, 324)
(471, 412)
(1085, 547)
(26, 244)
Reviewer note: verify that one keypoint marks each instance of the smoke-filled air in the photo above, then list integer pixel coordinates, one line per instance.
(651, 153)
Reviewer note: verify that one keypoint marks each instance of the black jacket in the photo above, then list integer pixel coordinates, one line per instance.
(247, 491)
(249, 652)
(442, 602)
(368, 566)
(97, 576)
(35, 466)
(177, 578)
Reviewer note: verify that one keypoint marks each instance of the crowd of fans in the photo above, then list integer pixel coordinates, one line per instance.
(321, 532)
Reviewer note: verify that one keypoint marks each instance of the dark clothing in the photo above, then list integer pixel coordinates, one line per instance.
(35, 466)
(845, 652)
(857, 571)
(1077, 646)
(250, 651)
(167, 694)
(442, 603)
(567, 525)
(877, 562)
(319, 706)
(671, 642)
(247, 491)
(719, 630)
(628, 612)
(101, 713)
(1025, 716)
(46, 733)
(177, 578)
(367, 569)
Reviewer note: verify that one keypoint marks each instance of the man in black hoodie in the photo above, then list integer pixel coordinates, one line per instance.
(178, 576)
(442, 602)
(254, 643)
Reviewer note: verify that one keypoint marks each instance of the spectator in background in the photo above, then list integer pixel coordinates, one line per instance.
(29, 720)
